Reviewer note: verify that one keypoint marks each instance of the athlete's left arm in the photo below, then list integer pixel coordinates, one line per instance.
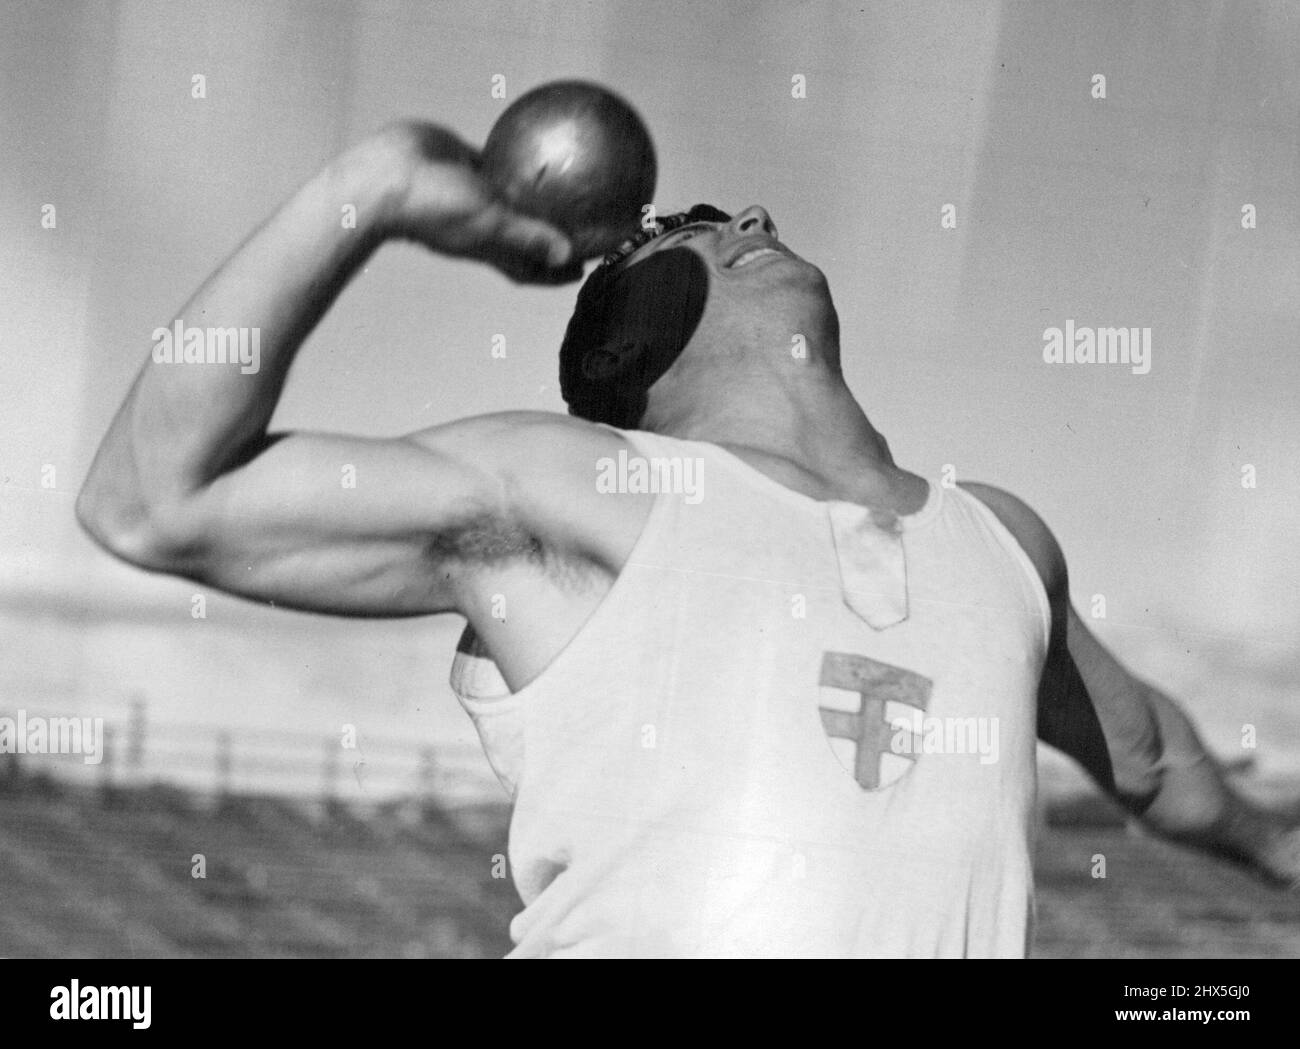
(1132, 738)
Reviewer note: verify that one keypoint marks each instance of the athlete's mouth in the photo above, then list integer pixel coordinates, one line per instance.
(750, 256)
(754, 248)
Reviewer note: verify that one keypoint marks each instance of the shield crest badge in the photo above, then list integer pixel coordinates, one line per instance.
(863, 707)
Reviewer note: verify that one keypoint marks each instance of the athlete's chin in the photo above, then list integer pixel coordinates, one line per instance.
(797, 288)
(793, 275)
(802, 274)
(814, 272)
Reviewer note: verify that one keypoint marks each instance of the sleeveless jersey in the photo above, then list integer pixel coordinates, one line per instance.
(791, 728)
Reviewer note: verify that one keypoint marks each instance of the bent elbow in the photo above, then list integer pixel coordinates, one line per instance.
(132, 531)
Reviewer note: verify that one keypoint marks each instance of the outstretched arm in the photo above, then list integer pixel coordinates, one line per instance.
(188, 481)
(1135, 741)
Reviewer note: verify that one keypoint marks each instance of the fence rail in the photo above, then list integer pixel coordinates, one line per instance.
(135, 751)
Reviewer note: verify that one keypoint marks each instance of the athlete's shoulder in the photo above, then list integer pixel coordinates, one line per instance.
(1029, 530)
(515, 424)
(521, 439)
(542, 472)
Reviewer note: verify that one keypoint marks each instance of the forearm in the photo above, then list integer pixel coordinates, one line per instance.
(1162, 771)
(184, 424)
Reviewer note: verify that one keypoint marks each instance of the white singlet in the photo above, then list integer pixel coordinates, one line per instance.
(785, 731)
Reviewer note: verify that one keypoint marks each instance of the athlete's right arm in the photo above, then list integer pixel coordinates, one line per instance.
(188, 480)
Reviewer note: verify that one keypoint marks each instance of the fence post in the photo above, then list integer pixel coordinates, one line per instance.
(135, 732)
(225, 763)
(427, 776)
(13, 764)
(107, 777)
(331, 771)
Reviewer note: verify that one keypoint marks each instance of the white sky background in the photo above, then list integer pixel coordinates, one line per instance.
(1120, 212)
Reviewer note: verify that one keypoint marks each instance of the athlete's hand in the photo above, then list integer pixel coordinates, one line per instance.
(1198, 805)
(1277, 858)
(442, 202)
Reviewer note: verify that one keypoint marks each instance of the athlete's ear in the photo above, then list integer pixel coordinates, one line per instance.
(606, 361)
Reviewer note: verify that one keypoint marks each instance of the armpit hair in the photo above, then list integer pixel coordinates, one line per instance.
(487, 541)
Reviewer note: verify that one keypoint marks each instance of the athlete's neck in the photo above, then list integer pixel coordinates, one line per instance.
(814, 424)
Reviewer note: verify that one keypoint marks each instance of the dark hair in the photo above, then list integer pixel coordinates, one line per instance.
(629, 325)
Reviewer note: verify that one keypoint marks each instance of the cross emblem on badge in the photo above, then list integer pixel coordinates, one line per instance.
(876, 684)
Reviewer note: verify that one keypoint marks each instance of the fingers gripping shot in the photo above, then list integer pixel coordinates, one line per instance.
(795, 716)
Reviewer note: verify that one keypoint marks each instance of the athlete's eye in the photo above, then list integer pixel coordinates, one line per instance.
(686, 233)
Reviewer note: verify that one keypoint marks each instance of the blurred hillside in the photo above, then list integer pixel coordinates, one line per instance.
(86, 873)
